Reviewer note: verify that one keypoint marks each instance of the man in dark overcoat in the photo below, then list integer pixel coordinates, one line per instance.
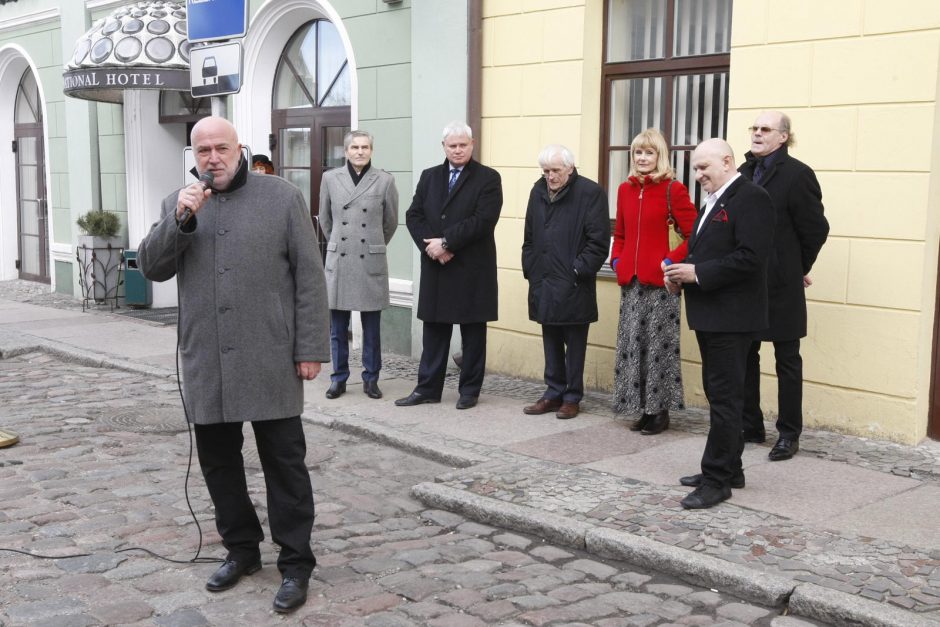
(253, 325)
(800, 233)
(724, 278)
(452, 220)
(567, 236)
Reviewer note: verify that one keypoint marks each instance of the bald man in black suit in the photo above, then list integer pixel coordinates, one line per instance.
(724, 279)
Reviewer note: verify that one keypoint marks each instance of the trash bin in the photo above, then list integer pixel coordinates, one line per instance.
(138, 291)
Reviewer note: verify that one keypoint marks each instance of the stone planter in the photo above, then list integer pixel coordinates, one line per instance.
(100, 262)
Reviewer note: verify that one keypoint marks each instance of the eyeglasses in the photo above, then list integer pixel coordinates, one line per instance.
(762, 129)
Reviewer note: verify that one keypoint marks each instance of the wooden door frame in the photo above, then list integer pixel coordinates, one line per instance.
(933, 413)
(314, 118)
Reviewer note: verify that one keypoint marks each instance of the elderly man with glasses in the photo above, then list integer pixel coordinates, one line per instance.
(801, 231)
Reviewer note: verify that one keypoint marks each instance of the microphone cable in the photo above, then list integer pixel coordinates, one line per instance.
(196, 559)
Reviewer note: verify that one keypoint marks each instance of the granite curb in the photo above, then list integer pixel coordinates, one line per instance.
(15, 344)
(802, 599)
(393, 437)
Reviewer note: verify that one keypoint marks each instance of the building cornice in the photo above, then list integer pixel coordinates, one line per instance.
(29, 19)
(94, 5)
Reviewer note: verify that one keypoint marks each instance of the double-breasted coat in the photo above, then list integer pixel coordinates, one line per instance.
(464, 290)
(358, 222)
(564, 245)
(801, 230)
(730, 254)
(252, 298)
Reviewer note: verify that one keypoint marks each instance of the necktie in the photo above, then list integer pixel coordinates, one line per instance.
(758, 171)
(453, 179)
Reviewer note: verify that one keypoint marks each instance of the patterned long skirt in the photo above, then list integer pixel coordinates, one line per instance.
(647, 369)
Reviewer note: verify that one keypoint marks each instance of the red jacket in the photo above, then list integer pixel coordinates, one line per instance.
(641, 235)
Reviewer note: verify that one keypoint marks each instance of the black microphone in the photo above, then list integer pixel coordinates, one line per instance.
(205, 179)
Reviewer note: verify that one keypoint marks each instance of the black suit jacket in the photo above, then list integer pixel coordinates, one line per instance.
(730, 256)
(801, 231)
(464, 289)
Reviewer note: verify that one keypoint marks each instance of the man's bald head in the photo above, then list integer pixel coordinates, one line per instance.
(713, 163)
(215, 145)
(212, 124)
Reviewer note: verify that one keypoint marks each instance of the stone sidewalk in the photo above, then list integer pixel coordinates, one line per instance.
(852, 540)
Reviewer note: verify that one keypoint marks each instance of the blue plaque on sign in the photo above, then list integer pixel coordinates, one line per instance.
(211, 20)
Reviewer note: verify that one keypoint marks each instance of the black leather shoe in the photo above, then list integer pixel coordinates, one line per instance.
(755, 437)
(658, 424)
(694, 481)
(466, 401)
(371, 388)
(229, 573)
(706, 496)
(291, 595)
(337, 389)
(416, 399)
(640, 423)
(783, 449)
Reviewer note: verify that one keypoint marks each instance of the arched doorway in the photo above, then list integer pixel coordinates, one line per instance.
(310, 107)
(32, 208)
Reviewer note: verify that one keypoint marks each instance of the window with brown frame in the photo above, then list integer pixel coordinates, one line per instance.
(665, 66)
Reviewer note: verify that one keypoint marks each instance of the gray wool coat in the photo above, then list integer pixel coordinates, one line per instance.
(252, 299)
(358, 222)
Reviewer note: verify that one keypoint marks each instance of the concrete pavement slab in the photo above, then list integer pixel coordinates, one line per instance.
(593, 442)
(909, 516)
(661, 459)
(12, 313)
(837, 489)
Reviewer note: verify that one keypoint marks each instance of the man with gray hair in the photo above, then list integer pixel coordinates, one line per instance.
(567, 235)
(452, 220)
(359, 215)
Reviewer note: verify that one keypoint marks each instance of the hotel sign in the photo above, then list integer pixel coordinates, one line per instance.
(80, 83)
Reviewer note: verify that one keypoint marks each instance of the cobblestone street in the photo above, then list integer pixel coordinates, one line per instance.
(101, 468)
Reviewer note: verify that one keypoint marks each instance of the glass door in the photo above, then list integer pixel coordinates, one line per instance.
(31, 212)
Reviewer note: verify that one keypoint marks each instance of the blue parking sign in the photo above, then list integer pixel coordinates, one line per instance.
(212, 20)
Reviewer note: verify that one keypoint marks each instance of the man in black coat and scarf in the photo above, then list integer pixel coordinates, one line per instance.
(567, 237)
(801, 231)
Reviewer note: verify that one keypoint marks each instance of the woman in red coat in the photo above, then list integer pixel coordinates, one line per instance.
(647, 375)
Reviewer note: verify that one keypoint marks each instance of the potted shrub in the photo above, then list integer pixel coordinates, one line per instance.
(100, 254)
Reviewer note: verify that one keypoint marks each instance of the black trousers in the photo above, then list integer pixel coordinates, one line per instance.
(436, 351)
(724, 362)
(565, 346)
(789, 390)
(282, 449)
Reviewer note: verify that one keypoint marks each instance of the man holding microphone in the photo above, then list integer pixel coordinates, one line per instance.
(253, 325)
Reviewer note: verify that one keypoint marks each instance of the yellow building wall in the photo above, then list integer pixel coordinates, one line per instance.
(541, 85)
(859, 78)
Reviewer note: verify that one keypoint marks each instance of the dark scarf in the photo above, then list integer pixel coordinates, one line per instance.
(352, 171)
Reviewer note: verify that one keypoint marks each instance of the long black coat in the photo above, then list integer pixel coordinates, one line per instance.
(730, 256)
(801, 231)
(561, 237)
(464, 289)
